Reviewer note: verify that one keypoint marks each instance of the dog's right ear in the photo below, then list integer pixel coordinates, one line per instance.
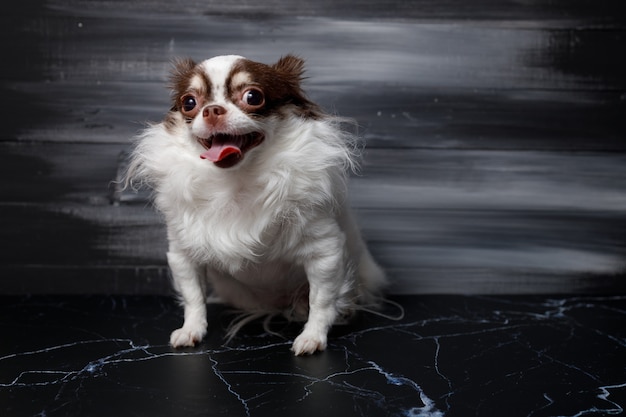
(180, 74)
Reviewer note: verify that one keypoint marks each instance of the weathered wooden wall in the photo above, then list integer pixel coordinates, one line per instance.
(495, 161)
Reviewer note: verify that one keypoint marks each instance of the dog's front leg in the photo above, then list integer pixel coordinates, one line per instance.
(189, 284)
(326, 273)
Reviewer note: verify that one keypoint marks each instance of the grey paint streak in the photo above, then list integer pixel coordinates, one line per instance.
(438, 220)
(112, 77)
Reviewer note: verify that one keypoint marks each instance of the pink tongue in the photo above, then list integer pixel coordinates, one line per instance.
(220, 151)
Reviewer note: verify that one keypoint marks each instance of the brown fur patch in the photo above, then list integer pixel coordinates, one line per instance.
(280, 83)
(182, 74)
(179, 78)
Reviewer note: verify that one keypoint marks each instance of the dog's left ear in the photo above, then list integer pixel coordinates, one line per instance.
(291, 67)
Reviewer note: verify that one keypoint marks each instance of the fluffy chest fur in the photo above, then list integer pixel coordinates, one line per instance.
(257, 213)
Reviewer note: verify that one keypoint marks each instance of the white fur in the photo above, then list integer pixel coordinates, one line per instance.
(257, 233)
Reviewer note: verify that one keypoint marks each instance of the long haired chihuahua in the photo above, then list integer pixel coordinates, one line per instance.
(250, 176)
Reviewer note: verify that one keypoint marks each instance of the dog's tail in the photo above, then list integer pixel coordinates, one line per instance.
(378, 306)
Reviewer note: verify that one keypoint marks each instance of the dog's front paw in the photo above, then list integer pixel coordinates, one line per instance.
(186, 336)
(308, 343)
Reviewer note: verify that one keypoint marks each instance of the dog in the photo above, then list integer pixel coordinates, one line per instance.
(251, 179)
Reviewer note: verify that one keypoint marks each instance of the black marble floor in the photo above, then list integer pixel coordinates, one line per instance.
(450, 355)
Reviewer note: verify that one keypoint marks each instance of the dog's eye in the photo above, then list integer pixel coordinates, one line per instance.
(253, 98)
(189, 104)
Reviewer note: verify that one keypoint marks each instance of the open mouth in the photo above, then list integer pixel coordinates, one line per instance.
(226, 150)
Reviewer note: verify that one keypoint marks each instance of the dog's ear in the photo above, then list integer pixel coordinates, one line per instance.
(290, 66)
(181, 69)
(290, 70)
(180, 74)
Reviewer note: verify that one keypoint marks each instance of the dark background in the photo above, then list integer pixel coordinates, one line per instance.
(495, 159)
